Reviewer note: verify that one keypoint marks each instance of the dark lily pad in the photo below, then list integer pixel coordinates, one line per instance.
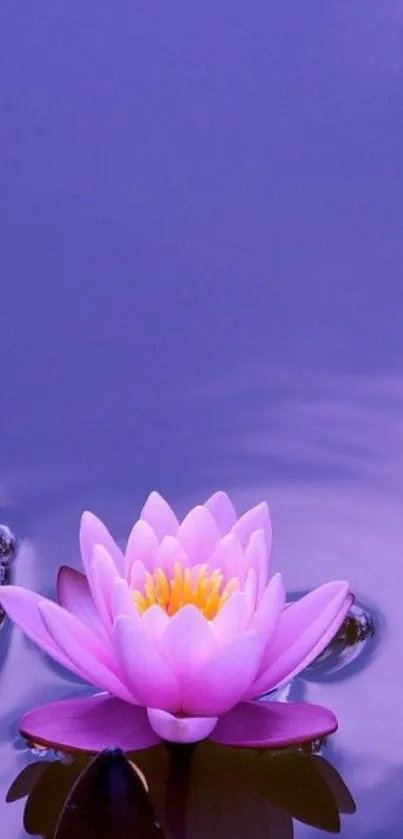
(246, 789)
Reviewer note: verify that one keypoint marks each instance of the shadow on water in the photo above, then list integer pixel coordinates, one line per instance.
(193, 792)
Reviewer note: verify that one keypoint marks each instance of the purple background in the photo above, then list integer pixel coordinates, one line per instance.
(201, 286)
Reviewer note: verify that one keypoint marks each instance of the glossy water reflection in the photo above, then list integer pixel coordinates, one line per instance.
(8, 547)
(351, 648)
(207, 791)
(8, 544)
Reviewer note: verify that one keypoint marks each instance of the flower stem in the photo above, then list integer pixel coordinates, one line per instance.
(177, 790)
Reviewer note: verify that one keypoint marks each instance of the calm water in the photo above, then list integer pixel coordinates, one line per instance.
(201, 262)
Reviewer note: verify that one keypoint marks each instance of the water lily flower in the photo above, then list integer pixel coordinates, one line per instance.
(182, 633)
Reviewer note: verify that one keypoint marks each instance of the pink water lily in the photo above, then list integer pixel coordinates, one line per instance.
(181, 633)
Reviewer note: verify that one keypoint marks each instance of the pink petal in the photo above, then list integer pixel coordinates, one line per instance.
(188, 643)
(232, 618)
(199, 535)
(102, 582)
(148, 675)
(21, 606)
(69, 628)
(122, 602)
(171, 551)
(89, 725)
(250, 589)
(142, 544)
(270, 609)
(154, 622)
(85, 650)
(225, 679)
(93, 532)
(273, 725)
(257, 556)
(180, 729)
(302, 631)
(222, 509)
(159, 515)
(255, 519)
(326, 638)
(137, 577)
(74, 594)
(228, 558)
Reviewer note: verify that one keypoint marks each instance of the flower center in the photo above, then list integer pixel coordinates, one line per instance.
(199, 586)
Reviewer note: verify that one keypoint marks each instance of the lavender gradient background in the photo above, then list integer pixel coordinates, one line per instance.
(201, 286)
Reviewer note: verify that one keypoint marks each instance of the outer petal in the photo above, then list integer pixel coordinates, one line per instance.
(257, 556)
(142, 544)
(21, 606)
(223, 511)
(147, 673)
(250, 589)
(180, 729)
(255, 519)
(102, 582)
(137, 576)
(302, 633)
(122, 602)
(154, 622)
(199, 535)
(169, 552)
(228, 557)
(226, 679)
(74, 594)
(85, 650)
(90, 725)
(159, 515)
(326, 638)
(232, 618)
(267, 616)
(187, 643)
(93, 532)
(273, 725)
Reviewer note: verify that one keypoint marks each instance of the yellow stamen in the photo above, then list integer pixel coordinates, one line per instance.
(213, 600)
(162, 588)
(140, 601)
(198, 586)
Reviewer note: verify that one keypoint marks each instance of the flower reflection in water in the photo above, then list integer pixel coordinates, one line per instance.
(197, 791)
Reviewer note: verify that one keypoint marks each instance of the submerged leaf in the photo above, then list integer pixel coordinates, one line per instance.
(108, 801)
(45, 800)
(25, 783)
(258, 786)
(340, 790)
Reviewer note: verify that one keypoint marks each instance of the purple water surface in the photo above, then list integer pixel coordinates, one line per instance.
(201, 284)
